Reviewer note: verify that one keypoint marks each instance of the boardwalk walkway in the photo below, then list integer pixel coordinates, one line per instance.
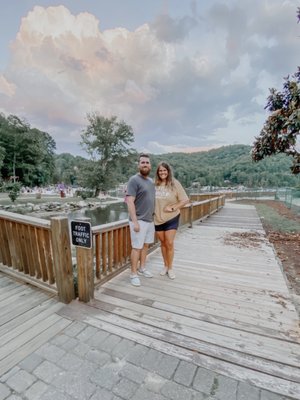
(225, 328)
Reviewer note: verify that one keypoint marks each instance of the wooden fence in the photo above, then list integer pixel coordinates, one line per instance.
(40, 252)
(37, 251)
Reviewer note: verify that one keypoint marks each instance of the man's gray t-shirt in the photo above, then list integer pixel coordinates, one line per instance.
(144, 192)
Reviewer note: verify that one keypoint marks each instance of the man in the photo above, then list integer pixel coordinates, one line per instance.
(140, 198)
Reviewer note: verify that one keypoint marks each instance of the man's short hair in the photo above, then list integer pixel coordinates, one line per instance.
(143, 155)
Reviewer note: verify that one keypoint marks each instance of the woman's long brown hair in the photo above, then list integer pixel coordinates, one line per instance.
(170, 179)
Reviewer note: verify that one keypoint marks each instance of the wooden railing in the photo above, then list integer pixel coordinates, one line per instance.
(112, 245)
(40, 252)
(37, 251)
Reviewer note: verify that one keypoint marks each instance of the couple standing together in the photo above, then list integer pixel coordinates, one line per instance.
(153, 206)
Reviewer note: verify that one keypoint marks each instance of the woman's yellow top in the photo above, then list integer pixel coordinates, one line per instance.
(166, 196)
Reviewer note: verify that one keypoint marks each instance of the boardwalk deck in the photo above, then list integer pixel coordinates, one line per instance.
(228, 310)
(28, 319)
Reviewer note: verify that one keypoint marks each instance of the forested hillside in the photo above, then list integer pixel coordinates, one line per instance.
(230, 166)
(225, 166)
(28, 156)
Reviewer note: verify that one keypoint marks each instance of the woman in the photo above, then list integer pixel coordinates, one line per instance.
(169, 198)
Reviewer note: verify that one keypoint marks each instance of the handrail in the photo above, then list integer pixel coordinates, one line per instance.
(33, 221)
(112, 245)
(39, 251)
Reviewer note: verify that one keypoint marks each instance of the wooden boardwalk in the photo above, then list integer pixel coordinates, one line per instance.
(229, 309)
(28, 319)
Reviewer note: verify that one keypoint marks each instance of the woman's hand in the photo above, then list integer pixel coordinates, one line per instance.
(170, 208)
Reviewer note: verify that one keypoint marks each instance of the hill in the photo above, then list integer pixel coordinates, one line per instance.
(225, 166)
(230, 166)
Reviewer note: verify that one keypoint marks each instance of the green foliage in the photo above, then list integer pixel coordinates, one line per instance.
(107, 141)
(281, 131)
(13, 190)
(27, 154)
(276, 221)
(228, 166)
(68, 168)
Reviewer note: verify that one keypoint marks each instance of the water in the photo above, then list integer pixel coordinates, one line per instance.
(102, 215)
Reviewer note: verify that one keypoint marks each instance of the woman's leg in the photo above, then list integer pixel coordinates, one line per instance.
(169, 246)
(161, 237)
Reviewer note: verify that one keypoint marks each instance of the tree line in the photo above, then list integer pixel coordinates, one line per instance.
(27, 156)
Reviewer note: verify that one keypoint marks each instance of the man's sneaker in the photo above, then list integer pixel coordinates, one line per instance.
(135, 280)
(164, 271)
(145, 273)
(171, 274)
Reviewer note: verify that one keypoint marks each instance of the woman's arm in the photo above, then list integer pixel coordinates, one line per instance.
(176, 206)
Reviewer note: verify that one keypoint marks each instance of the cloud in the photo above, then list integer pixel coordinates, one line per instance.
(6, 88)
(181, 82)
(168, 29)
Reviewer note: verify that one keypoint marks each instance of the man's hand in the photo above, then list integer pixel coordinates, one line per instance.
(136, 227)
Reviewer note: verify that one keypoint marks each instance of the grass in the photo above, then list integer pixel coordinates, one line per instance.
(275, 221)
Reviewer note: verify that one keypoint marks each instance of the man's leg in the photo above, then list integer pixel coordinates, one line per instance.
(143, 256)
(135, 256)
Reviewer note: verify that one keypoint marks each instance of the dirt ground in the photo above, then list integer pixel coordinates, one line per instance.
(287, 245)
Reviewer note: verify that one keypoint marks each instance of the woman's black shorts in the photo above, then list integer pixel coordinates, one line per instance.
(167, 226)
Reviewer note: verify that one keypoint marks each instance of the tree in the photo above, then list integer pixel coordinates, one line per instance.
(281, 131)
(13, 189)
(107, 141)
(28, 152)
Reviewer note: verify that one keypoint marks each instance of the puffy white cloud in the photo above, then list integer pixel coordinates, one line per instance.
(6, 87)
(190, 81)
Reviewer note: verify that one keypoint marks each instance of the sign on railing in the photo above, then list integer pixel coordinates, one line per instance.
(81, 233)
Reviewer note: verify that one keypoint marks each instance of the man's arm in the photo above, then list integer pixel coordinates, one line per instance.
(132, 212)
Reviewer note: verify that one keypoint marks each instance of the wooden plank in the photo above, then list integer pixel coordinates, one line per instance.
(97, 255)
(35, 250)
(42, 272)
(28, 220)
(226, 338)
(6, 285)
(269, 301)
(62, 259)
(11, 290)
(27, 335)
(115, 248)
(27, 315)
(19, 309)
(25, 249)
(30, 323)
(202, 316)
(15, 299)
(37, 341)
(235, 332)
(110, 253)
(259, 379)
(29, 279)
(104, 253)
(49, 257)
(256, 319)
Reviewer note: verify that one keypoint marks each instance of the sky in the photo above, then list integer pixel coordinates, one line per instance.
(186, 75)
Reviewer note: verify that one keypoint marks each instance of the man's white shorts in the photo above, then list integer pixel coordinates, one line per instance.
(145, 235)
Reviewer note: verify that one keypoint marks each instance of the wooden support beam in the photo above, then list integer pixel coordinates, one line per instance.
(62, 258)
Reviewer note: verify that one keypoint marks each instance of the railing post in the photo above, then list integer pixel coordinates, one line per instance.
(62, 258)
(191, 215)
(85, 270)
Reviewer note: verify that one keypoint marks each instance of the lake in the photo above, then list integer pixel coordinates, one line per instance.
(102, 215)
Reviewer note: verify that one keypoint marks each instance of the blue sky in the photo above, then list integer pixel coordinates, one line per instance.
(186, 75)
